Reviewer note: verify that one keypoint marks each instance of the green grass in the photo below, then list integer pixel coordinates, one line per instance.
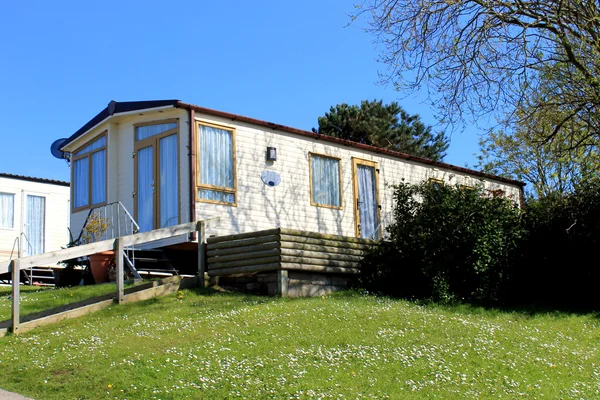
(216, 345)
(35, 298)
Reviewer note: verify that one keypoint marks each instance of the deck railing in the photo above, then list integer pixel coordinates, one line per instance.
(118, 245)
(117, 218)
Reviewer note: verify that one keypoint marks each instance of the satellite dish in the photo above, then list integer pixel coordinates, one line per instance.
(270, 178)
(55, 148)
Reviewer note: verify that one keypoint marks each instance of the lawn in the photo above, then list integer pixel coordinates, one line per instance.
(36, 298)
(206, 344)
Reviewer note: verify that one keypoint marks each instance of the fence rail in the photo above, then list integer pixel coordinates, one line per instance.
(118, 245)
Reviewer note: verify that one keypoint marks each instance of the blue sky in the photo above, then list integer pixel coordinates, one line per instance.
(285, 62)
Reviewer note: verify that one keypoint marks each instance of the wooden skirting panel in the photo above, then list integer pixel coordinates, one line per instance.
(242, 260)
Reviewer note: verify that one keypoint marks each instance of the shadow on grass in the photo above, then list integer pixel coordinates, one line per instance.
(521, 310)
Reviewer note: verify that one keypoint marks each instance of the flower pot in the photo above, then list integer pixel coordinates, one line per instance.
(99, 264)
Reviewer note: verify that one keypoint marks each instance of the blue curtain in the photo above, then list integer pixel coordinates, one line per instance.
(7, 210)
(169, 212)
(80, 183)
(145, 189)
(96, 144)
(367, 202)
(99, 177)
(214, 195)
(35, 225)
(326, 181)
(216, 163)
(143, 132)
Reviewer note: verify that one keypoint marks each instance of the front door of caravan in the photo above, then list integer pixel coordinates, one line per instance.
(35, 225)
(156, 178)
(366, 199)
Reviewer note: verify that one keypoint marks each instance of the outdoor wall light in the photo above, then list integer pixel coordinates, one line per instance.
(271, 154)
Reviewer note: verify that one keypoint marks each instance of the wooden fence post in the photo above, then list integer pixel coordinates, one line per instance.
(201, 229)
(119, 262)
(16, 294)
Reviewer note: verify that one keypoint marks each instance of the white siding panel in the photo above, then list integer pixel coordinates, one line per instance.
(56, 216)
(288, 205)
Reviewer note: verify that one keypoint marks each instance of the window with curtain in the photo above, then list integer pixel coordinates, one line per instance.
(216, 165)
(325, 187)
(7, 210)
(89, 174)
(35, 225)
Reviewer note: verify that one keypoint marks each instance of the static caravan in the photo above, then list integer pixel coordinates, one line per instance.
(164, 163)
(34, 216)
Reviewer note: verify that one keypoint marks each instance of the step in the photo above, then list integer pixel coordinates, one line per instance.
(152, 260)
(156, 273)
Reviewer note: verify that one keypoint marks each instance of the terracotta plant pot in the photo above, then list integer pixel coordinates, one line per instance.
(99, 264)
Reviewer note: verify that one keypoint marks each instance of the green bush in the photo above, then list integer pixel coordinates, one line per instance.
(446, 243)
(559, 267)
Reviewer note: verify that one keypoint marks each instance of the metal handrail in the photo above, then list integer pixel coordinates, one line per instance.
(16, 242)
(28, 244)
(121, 210)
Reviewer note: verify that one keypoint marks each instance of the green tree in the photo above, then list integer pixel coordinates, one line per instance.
(484, 56)
(387, 126)
(551, 153)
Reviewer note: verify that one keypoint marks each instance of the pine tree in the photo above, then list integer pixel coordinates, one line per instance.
(388, 126)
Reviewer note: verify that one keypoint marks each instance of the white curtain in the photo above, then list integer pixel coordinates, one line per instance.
(80, 183)
(145, 189)
(35, 225)
(143, 132)
(326, 181)
(7, 210)
(367, 202)
(216, 162)
(99, 177)
(169, 214)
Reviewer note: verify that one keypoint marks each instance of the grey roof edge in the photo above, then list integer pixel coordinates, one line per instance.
(115, 107)
(34, 179)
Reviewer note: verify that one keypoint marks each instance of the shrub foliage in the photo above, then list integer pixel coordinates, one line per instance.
(559, 265)
(446, 243)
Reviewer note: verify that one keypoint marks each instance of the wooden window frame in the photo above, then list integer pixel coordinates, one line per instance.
(204, 186)
(494, 193)
(436, 180)
(310, 176)
(88, 155)
(154, 141)
(375, 165)
(14, 195)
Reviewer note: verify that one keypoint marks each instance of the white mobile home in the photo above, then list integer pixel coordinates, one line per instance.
(167, 162)
(34, 215)
(170, 162)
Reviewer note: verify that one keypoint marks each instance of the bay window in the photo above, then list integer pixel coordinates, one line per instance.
(89, 175)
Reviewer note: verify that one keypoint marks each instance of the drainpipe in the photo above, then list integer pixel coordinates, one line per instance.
(22, 224)
(192, 163)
